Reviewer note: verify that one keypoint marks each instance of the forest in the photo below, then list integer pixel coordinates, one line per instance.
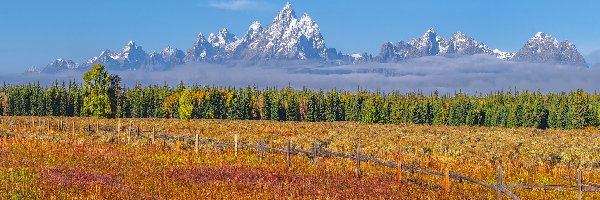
(103, 95)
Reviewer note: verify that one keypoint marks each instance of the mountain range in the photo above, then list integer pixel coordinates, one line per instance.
(289, 38)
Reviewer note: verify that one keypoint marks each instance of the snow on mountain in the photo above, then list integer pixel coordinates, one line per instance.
(465, 45)
(221, 39)
(172, 56)
(543, 48)
(248, 41)
(32, 70)
(59, 65)
(200, 51)
(503, 55)
(107, 58)
(426, 45)
(133, 56)
(288, 38)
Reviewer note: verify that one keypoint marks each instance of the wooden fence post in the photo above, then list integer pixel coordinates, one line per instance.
(447, 180)
(73, 127)
(197, 143)
(314, 153)
(235, 145)
(358, 161)
(288, 152)
(261, 148)
(177, 143)
(399, 173)
(499, 184)
(153, 139)
(119, 126)
(129, 131)
(579, 185)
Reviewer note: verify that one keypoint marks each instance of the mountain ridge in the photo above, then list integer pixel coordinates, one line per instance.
(289, 38)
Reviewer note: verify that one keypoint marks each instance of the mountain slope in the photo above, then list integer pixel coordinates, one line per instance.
(289, 38)
(543, 48)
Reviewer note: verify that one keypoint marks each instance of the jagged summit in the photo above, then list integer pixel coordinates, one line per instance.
(289, 38)
(222, 38)
(543, 48)
(542, 35)
(256, 26)
(59, 65)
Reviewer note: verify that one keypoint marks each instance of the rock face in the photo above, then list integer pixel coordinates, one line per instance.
(286, 38)
(543, 48)
(430, 44)
(289, 38)
(59, 65)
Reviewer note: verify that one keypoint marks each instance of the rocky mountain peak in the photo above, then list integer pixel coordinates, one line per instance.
(543, 48)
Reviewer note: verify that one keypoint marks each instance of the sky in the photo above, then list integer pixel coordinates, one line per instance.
(35, 32)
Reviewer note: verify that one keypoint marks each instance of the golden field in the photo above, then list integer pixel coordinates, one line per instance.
(44, 162)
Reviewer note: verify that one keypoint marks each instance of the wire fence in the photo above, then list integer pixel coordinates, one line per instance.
(152, 135)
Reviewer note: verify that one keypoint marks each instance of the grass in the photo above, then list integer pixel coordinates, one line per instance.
(37, 163)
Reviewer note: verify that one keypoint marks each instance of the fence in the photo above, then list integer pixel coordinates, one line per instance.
(501, 188)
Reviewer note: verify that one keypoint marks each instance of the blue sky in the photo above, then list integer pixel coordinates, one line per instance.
(35, 32)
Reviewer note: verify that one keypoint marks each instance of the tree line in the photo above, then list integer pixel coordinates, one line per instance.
(103, 95)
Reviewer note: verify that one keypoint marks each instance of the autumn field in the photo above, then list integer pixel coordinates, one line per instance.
(40, 159)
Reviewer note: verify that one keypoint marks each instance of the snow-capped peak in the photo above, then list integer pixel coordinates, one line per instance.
(502, 54)
(426, 45)
(168, 50)
(130, 45)
(460, 36)
(221, 39)
(430, 31)
(288, 6)
(540, 35)
(255, 26)
(200, 39)
(305, 17)
(61, 64)
(33, 69)
(286, 14)
(543, 48)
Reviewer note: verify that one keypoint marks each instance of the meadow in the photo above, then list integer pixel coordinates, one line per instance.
(38, 161)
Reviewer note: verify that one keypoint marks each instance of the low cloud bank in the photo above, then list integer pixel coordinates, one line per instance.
(479, 73)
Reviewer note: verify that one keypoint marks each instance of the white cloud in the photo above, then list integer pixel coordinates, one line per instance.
(240, 5)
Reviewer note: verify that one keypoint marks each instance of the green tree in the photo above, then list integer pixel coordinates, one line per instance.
(96, 101)
(581, 110)
(185, 105)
